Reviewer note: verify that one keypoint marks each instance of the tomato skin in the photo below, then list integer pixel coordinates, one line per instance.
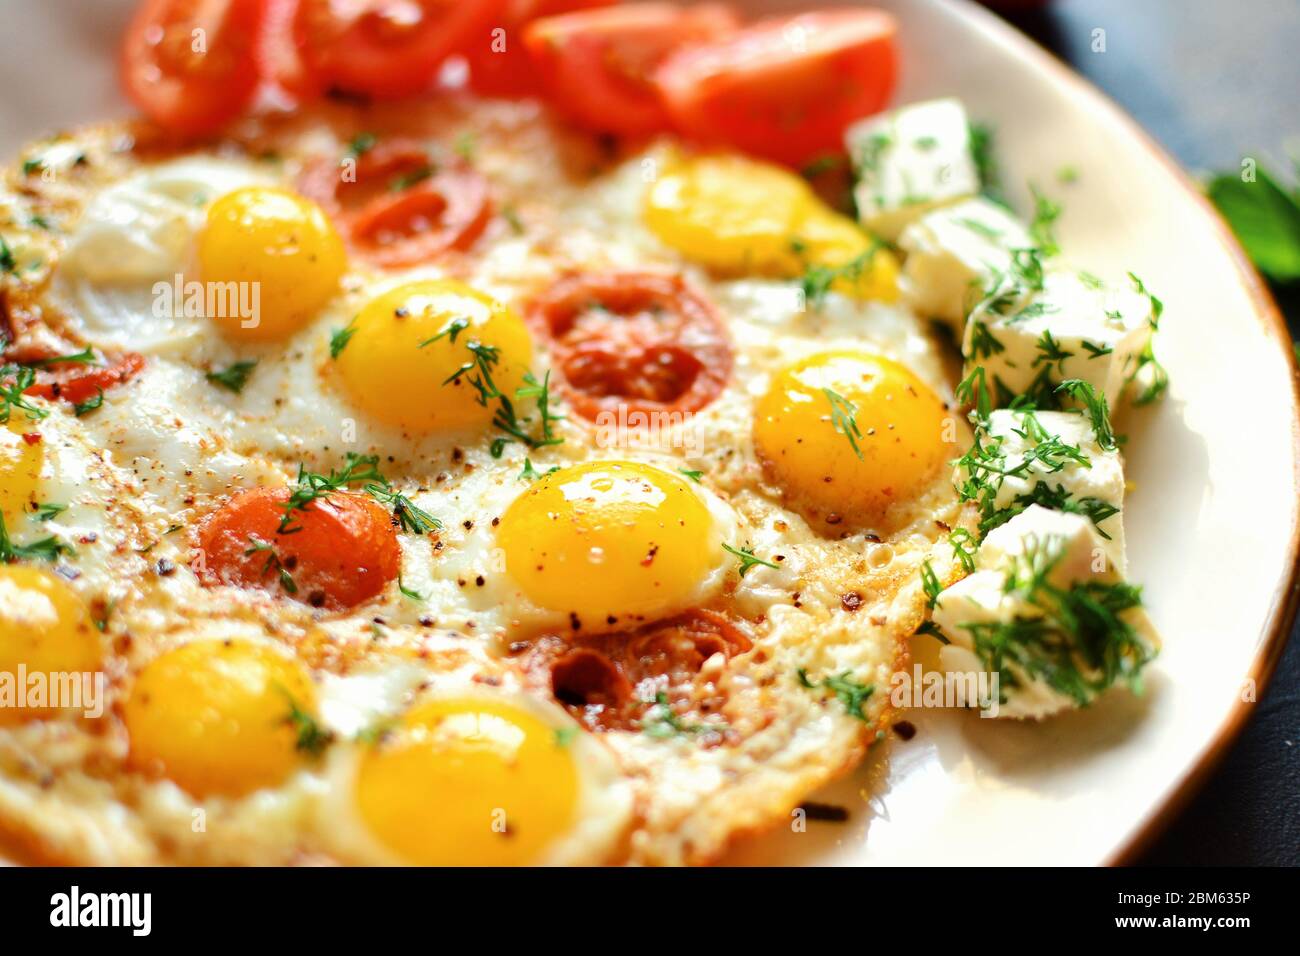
(387, 48)
(445, 211)
(595, 677)
(755, 90)
(280, 62)
(79, 383)
(345, 551)
(190, 93)
(655, 345)
(596, 66)
(509, 72)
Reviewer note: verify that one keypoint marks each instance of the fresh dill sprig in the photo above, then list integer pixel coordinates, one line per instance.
(46, 549)
(843, 419)
(850, 693)
(748, 559)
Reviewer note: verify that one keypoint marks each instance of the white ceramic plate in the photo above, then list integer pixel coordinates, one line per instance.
(1213, 524)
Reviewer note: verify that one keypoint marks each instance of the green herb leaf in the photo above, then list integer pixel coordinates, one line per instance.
(89, 405)
(341, 337)
(849, 692)
(49, 511)
(1265, 219)
(233, 378)
(312, 737)
(843, 419)
(747, 559)
(46, 549)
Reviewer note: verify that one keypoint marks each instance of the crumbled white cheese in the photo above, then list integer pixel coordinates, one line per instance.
(909, 162)
(1035, 330)
(954, 254)
(1021, 568)
(1048, 458)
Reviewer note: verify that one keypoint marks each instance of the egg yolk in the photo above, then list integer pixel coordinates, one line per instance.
(20, 467)
(468, 782)
(849, 433)
(281, 250)
(603, 540)
(740, 216)
(434, 356)
(45, 627)
(221, 717)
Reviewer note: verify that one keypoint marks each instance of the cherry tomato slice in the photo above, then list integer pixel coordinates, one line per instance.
(596, 66)
(189, 64)
(444, 212)
(280, 62)
(634, 342)
(387, 48)
(345, 550)
(498, 63)
(383, 168)
(595, 677)
(784, 88)
(77, 383)
(397, 210)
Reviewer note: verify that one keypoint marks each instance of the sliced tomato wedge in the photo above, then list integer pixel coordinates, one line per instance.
(189, 65)
(398, 209)
(342, 549)
(279, 60)
(596, 66)
(444, 212)
(498, 63)
(380, 169)
(387, 48)
(595, 677)
(784, 88)
(77, 383)
(633, 341)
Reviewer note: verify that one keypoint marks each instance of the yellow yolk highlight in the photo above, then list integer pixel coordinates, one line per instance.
(221, 717)
(609, 540)
(45, 627)
(406, 357)
(468, 782)
(738, 216)
(283, 252)
(20, 468)
(815, 411)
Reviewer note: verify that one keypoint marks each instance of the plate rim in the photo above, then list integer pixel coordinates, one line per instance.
(1285, 600)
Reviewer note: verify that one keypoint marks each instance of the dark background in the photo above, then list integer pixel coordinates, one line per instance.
(1213, 81)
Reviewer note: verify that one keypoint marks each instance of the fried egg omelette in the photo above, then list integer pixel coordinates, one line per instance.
(444, 486)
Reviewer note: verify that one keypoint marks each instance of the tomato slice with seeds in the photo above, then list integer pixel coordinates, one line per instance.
(189, 65)
(76, 383)
(597, 65)
(387, 48)
(634, 341)
(447, 211)
(595, 677)
(784, 88)
(498, 63)
(344, 549)
(341, 190)
(397, 209)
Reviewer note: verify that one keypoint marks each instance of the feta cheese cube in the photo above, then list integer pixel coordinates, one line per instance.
(1029, 612)
(1036, 329)
(1051, 459)
(909, 162)
(954, 254)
